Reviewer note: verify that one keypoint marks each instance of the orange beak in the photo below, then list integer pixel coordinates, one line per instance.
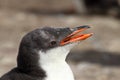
(75, 36)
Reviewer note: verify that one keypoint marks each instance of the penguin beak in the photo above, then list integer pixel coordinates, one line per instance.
(75, 35)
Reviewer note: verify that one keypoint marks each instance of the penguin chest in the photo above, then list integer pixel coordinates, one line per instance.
(58, 71)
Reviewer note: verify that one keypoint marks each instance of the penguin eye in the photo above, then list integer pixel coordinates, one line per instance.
(52, 43)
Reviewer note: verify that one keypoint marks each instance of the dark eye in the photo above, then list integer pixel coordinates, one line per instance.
(52, 43)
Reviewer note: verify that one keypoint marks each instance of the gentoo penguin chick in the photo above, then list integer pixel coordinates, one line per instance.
(42, 54)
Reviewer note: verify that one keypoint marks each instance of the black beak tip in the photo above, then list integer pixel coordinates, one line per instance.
(84, 26)
(80, 27)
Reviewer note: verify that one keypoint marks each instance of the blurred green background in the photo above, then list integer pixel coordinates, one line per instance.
(97, 58)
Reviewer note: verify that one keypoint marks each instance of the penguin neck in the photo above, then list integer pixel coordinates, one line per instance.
(54, 64)
(28, 62)
(57, 54)
(40, 64)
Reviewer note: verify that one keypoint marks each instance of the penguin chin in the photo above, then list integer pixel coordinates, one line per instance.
(71, 45)
(56, 54)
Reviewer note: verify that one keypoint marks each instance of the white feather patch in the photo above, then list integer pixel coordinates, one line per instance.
(54, 64)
